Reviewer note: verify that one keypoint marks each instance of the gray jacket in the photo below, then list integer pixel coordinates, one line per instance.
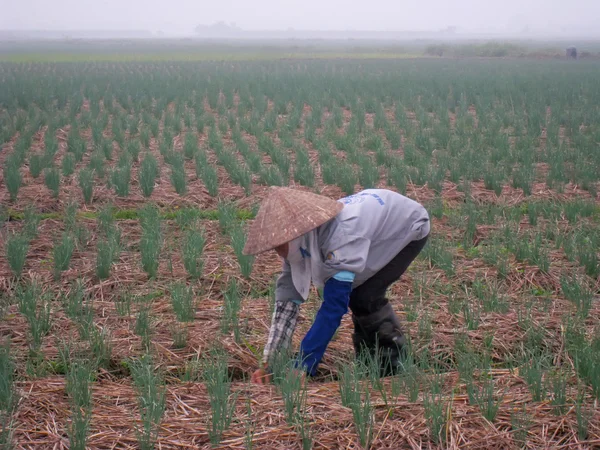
(374, 226)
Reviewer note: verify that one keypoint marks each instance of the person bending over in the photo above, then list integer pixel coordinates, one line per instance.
(353, 249)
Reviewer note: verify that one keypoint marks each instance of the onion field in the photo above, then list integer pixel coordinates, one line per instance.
(129, 317)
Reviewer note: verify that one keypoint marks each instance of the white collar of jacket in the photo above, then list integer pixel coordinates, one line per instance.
(306, 263)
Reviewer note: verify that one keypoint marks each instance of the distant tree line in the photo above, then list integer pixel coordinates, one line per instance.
(218, 29)
(495, 50)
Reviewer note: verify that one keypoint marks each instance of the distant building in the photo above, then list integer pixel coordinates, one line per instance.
(572, 53)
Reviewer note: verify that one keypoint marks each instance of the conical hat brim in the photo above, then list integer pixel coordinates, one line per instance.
(287, 214)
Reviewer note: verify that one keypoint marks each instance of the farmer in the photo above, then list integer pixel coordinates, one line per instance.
(353, 249)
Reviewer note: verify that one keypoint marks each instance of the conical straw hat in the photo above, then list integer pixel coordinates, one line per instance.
(287, 214)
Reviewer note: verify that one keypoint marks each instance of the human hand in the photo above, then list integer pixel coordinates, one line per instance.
(261, 376)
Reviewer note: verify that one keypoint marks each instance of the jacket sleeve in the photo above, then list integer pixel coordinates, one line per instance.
(282, 329)
(336, 296)
(285, 315)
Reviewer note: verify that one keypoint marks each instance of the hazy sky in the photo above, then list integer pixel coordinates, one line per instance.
(182, 15)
